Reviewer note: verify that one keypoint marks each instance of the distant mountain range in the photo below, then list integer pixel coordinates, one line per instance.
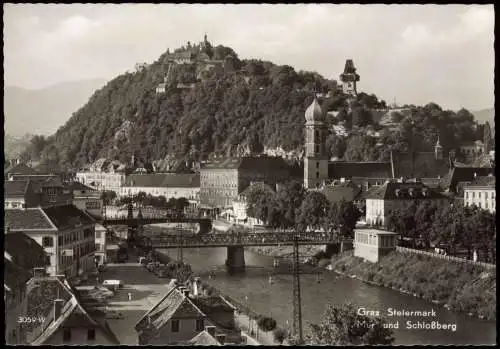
(43, 111)
(14, 146)
(485, 115)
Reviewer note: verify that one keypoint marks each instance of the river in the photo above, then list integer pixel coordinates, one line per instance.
(253, 288)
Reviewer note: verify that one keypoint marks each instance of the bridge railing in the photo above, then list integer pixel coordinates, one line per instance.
(242, 239)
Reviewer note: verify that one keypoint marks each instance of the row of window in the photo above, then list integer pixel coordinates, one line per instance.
(69, 238)
(479, 204)
(473, 194)
(14, 204)
(89, 205)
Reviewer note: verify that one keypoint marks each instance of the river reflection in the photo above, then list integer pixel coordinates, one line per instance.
(275, 299)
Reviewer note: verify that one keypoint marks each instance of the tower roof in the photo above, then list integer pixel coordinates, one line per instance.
(314, 111)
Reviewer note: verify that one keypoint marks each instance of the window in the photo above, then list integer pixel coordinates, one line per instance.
(60, 240)
(91, 334)
(47, 260)
(466, 195)
(473, 194)
(317, 174)
(98, 235)
(47, 241)
(479, 205)
(316, 148)
(317, 164)
(67, 334)
(200, 325)
(175, 325)
(98, 247)
(493, 195)
(479, 195)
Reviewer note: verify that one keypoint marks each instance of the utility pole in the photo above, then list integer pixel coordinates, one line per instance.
(179, 250)
(297, 307)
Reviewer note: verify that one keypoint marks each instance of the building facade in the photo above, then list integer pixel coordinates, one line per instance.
(481, 193)
(169, 185)
(396, 194)
(372, 244)
(86, 198)
(102, 180)
(222, 180)
(66, 234)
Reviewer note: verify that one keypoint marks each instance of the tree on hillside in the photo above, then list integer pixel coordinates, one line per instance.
(344, 326)
(487, 138)
(361, 117)
(335, 145)
(313, 211)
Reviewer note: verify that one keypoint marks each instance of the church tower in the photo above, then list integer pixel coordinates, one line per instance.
(315, 158)
(349, 78)
(438, 151)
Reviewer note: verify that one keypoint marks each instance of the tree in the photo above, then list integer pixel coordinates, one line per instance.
(313, 211)
(261, 203)
(361, 117)
(487, 139)
(344, 215)
(266, 324)
(280, 335)
(344, 326)
(289, 198)
(108, 196)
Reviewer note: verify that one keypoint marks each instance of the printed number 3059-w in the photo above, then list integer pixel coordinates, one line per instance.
(30, 319)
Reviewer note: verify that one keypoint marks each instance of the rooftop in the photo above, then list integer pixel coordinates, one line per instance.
(403, 191)
(265, 163)
(22, 169)
(164, 180)
(204, 338)
(483, 181)
(15, 188)
(374, 231)
(350, 169)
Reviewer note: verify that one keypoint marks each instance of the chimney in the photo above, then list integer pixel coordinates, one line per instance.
(210, 330)
(38, 272)
(221, 338)
(58, 305)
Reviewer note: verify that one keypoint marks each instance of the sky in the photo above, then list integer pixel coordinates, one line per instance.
(414, 54)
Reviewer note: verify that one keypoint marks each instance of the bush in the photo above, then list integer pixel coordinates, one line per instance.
(280, 334)
(266, 324)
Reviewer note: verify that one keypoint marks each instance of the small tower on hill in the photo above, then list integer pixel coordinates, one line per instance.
(438, 150)
(315, 158)
(349, 78)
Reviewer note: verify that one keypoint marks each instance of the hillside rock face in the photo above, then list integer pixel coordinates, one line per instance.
(253, 105)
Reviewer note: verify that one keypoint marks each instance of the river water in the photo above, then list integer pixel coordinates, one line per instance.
(253, 289)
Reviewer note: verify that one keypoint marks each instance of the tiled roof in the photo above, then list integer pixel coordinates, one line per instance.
(41, 294)
(164, 180)
(419, 164)
(404, 191)
(204, 338)
(483, 181)
(24, 251)
(30, 218)
(466, 174)
(248, 163)
(347, 170)
(173, 305)
(20, 169)
(15, 188)
(335, 193)
(79, 186)
(209, 304)
(68, 216)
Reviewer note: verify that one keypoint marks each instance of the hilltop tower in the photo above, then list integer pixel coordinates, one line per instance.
(315, 158)
(438, 150)
(349, 78)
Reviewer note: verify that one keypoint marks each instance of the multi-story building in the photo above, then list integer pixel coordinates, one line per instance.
(86, 198)
(30, 193)
(102, 180)
(472, 149)
(66, 234)
(395, 194)
(481, 192)
(222, 180)
(100, 244)
(372, 244)
(169, 185)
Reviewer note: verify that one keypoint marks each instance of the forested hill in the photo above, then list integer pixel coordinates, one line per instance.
(257, 104)
(245, 106)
